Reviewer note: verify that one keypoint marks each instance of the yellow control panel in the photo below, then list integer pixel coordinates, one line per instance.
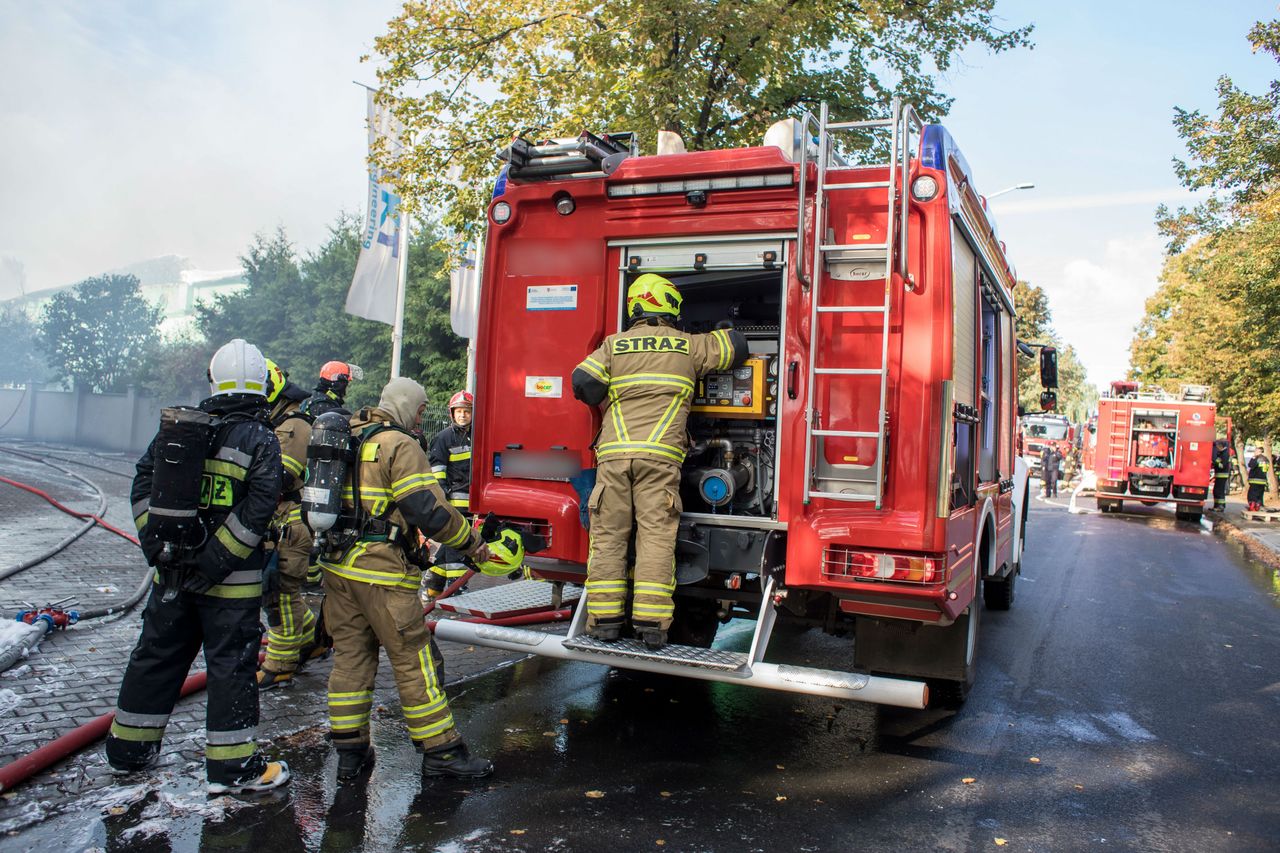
(736, 393)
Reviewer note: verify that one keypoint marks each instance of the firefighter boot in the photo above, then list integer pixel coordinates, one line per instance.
(651, 635)
(353, 760)
(120, 767)
(606, 630)
(455, 760)
(274, 775)
(269, 679)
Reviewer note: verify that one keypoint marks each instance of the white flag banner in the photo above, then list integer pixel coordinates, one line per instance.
(464, 293)
(373, 288)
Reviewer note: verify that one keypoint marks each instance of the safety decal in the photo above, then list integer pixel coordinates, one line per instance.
(552, 297)
(543, 386)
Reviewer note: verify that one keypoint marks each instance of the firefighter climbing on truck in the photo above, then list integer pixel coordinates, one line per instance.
(644, 378)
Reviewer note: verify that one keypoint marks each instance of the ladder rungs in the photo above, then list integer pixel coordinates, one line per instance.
(847, 371)
(851, 309)
(855, 247)
(854, 125)
(840, 496)
(859, 185)
(845, 433)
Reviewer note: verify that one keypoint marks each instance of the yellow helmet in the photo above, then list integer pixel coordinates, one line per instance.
(276, 379)
(506, 554)
(652, 295)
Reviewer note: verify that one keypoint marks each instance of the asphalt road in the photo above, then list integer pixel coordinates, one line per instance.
(1130, 700)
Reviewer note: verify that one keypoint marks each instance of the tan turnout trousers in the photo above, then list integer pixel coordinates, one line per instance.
(291, 626)
(645, 492)
(363, 617)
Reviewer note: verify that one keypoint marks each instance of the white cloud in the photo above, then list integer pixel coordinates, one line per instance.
(1096, 302)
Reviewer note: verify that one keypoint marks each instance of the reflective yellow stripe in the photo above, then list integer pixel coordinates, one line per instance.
(141, 521)
(669, 415)
(137, 734)
(638, 609)
(664, 450)
(426, 708)
(459, 457)
(371, 576)
(595, 368)
(604, 608)
(353, 694)
(615, 409)
(231, 543)
(224, 753)
(726, 348)
(229, 469)
(369, 451)
(652, 379)
(236, 590)
(293, 466)
(432, 729)
(459, 537)
(460, 502)
(404, 486)
(654, 588)
(606, 586)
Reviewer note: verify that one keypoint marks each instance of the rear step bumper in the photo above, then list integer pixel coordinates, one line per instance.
(690, 662)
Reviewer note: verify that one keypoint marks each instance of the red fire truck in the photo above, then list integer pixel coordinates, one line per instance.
(1154, 447)
(857, 474)
(1040, 430)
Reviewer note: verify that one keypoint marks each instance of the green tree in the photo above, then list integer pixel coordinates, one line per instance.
(1034, 325)
(175, 370)
(293, 309)
(465, 77)
(98, 334)
(18, 339)
(1235, 154)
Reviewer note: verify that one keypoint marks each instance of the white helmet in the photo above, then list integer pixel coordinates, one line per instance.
(238, 368)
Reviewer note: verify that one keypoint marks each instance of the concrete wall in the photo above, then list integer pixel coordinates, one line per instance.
(123, 422)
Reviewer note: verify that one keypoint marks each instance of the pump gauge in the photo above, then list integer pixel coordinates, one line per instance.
(773, 368)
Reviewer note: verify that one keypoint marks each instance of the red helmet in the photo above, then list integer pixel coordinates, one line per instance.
(462, 400)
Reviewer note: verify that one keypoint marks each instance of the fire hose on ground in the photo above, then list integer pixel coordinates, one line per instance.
(21, 769)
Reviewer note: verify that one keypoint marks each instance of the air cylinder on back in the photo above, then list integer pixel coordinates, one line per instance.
(178, 478)
(328, 453)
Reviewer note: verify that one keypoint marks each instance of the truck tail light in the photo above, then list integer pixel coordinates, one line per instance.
(841, 562)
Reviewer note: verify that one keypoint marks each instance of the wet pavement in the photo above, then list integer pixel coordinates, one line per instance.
(1128, 701)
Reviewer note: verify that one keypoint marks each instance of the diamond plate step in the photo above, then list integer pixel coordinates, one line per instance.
(681, 655)
(510, 599)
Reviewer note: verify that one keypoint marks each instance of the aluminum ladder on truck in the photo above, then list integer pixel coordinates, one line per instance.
(1118, 437)
(852, 482)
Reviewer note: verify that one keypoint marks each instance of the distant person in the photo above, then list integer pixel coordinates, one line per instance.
(331, 389)
(1049, 460)
(1258, 468)
(1221, 473)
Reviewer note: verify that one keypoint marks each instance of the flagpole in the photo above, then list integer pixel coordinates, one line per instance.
(397, 330)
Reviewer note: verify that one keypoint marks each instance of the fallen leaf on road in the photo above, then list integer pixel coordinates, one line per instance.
(1034, 760)
(660, 842)
(548, 734)
(116, 810)
(518, 831)
(664, 793)
(780, 798)
(1227, 646)
(1079, 787)
(595, 795)
(968, 780)
(780, 767)
(564, 721)
(1000, 842)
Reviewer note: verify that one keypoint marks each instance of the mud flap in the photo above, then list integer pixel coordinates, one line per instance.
(912, 648)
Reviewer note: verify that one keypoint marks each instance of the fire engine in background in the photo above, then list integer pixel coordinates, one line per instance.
(1088, 443)
(1153, 447)
(1042, 429)
(857, 474)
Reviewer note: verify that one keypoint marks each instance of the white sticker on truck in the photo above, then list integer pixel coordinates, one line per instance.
(543, 386)
(552, 297)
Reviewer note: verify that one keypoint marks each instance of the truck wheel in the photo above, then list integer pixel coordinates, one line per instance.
(951, 694)
(694, 623)
(997, 594)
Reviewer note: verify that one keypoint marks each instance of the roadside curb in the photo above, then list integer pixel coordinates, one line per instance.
(1252, 545)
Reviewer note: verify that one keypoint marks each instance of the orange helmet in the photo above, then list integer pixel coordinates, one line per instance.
(334, 371)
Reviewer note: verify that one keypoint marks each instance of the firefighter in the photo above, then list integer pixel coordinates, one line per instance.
(331, 389)
(372, 587)
(206, 592)
(1049, 459)
(644, 377)
(1258, 468)
(450, 457)
(1221, 473)
(293, 636)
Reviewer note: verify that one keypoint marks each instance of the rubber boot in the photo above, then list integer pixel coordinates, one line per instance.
(606, 631)
(455, 760)
(354, 760)
(135, 766)
(270, 679)
(651, 635)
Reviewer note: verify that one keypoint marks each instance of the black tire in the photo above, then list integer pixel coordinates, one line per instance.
(997, 594)
(951, 694)
(694, 623)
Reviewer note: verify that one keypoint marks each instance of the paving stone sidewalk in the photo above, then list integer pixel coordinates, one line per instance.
(74, 675)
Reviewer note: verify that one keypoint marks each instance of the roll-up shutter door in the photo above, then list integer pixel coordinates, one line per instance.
(964, 285)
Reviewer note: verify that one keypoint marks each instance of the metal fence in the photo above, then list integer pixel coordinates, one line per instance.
(122, 422)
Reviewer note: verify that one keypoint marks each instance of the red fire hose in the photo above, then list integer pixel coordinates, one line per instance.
(82, 736)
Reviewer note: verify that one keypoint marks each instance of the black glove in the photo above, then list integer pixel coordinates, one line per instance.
(207, 573)
(151, 548)
(724, 324)
(271, 574)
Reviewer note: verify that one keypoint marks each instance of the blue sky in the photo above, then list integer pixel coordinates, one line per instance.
(129, 130)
